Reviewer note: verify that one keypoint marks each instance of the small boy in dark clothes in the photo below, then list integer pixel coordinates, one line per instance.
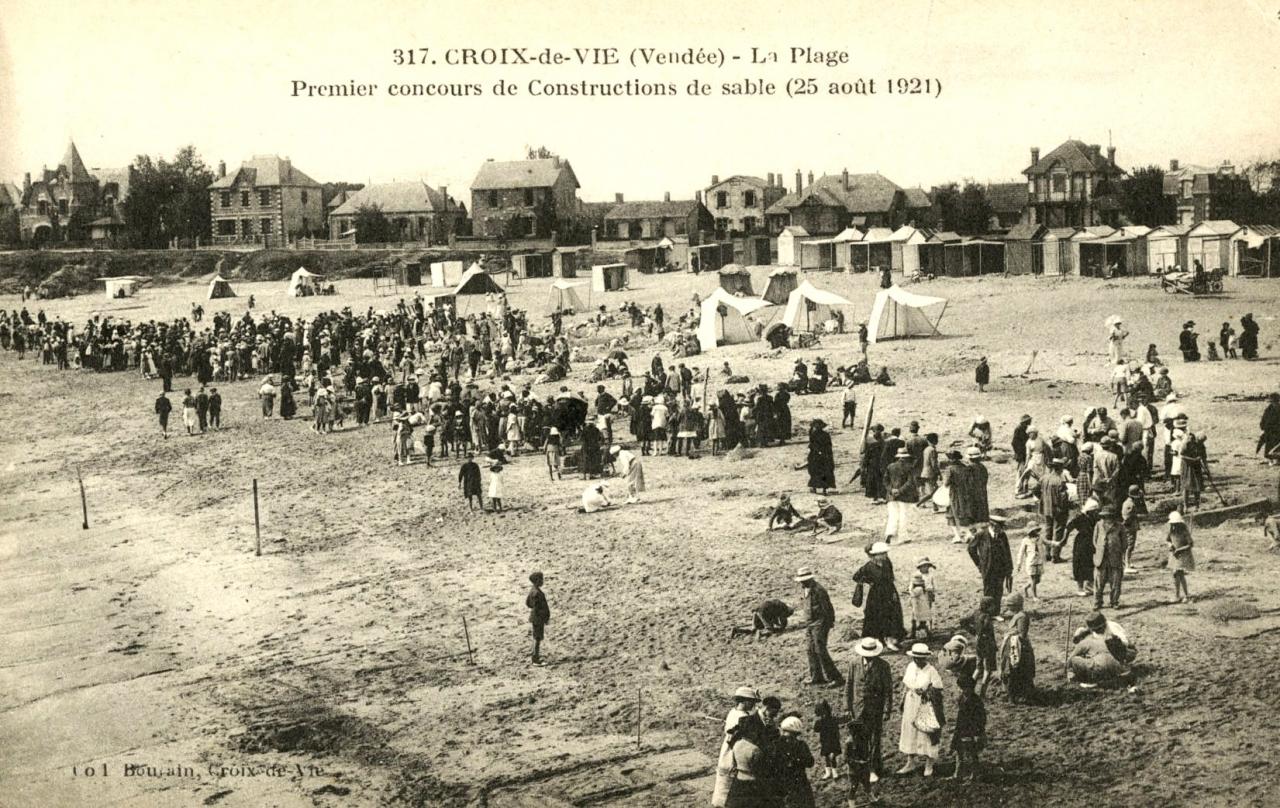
(970, 734)
(539, 614)
(828, 732)
(469, 482)
(985, 629)
(857, 757)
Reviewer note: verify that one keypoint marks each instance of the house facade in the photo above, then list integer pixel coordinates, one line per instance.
(1198, 192)
(1008, 201)
(72, 203)
(266, 201)
(833, 202)
(1073, 186)
(654, 220)
(417, 211)
(535, 198)
(738, 203)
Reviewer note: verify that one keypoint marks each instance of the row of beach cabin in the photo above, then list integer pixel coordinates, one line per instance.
(1252, 251)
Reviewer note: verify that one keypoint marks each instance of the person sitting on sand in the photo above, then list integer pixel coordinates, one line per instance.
(1101, 653)
(770, 617)
(882, 377)
(594, 499)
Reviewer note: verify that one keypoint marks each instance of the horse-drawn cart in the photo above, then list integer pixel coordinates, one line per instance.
(1192, 283)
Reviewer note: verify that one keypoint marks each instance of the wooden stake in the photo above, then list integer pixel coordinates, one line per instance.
(84, 504)
(471, 660)
(1032, 362)
(257, 524)
(639, 715)
(1068, 657)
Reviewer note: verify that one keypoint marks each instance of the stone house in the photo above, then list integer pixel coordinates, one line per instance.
(266, 201)
(417, 211)
(1073, 186)
(738, 203)
(536, 198)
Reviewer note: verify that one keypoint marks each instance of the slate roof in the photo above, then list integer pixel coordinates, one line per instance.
(397, 197)
(265, 171)
(867, 193)
(10, 195)
(918, 198)
(1075, 156)
(542, 173)
(1025, 231)
(120, 176)
(675, 209)
(1007, 197)
(71, 161)
(754, 180)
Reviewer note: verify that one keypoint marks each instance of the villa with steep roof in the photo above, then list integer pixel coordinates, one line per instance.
(71, 203)
(535, 199)
(266, 201)
(833, 202)
(1073, 186)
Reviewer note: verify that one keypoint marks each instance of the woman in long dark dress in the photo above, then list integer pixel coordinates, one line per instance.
(1017, 656)
(288, 407)
(591, 458)
(881, 609)
(782, 415)
(1079, 532)
(872, 474)
(821, 461)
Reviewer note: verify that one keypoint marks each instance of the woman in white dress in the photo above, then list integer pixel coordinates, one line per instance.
(922, 686)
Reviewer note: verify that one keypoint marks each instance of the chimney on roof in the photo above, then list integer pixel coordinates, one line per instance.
(1111, 155)
(1035, 155)
(844, 179)
(799, 181)
(1173, 165)
(444, 192)
(811, 178)
(666, 197)
(26, 183)
(697, 197)
(715, 179)
(617, 198)
(222, 169)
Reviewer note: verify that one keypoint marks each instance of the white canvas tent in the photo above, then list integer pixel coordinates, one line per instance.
(724, 319)
(122, 285)
(788, 252)
(304, 282)
(446, 273)
(782, 282)
(808, 307)
(475, 281)
(608, 277)
(561, 295)
(219, 287)
(898, 313)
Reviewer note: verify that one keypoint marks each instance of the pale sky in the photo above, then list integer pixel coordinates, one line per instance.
(1189, 80)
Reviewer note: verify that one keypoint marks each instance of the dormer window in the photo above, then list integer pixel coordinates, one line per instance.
(244, 199)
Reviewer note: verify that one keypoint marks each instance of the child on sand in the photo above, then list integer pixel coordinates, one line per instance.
(857, 756)
(828, 739)
(539, 614)
(970, 733)
(1181, 558)
(495, 487)
(469, 482)
(985, 629)
(1030, 562)
(922, 597)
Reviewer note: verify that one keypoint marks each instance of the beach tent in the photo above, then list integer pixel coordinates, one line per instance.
(788, 252)
(782, 282)
(219, 287)
(561, 295)
(1056, 245)
(1213, 243)
(1024, 249)
(736, 280)
(873, 252)
(303, 283)
(844, 253)
(1167, 247)
(446, 273)
(724, 319)
(608, 277)
(1258, 251)
(817, 254)
(808, 307)
(1092, 268)
(905, 245)
(122, 285)
(475, 281)
(531, 265)
(566, 261)
(898, 313)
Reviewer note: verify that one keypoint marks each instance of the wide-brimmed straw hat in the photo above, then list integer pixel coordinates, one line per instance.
(919, 651)
(879, 548)
(746, 692)
(869, 647)
(804, 574)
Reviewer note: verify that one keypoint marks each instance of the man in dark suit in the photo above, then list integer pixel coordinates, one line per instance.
(868, 696)
(819, 616)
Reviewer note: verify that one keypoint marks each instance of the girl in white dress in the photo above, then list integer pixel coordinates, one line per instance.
(495, 487)
(922, 685)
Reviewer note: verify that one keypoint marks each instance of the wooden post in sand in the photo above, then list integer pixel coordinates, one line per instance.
(639, 715)
(471, 660)
(1067, 661)
(257, 525)
(1032, 362)
(84, 503)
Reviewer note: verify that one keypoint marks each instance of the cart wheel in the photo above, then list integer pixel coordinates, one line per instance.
(1215, 286)
(1168, 288)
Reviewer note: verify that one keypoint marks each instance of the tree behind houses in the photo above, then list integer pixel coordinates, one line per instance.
(1142, 198)
(167, 200)
(372, 226)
